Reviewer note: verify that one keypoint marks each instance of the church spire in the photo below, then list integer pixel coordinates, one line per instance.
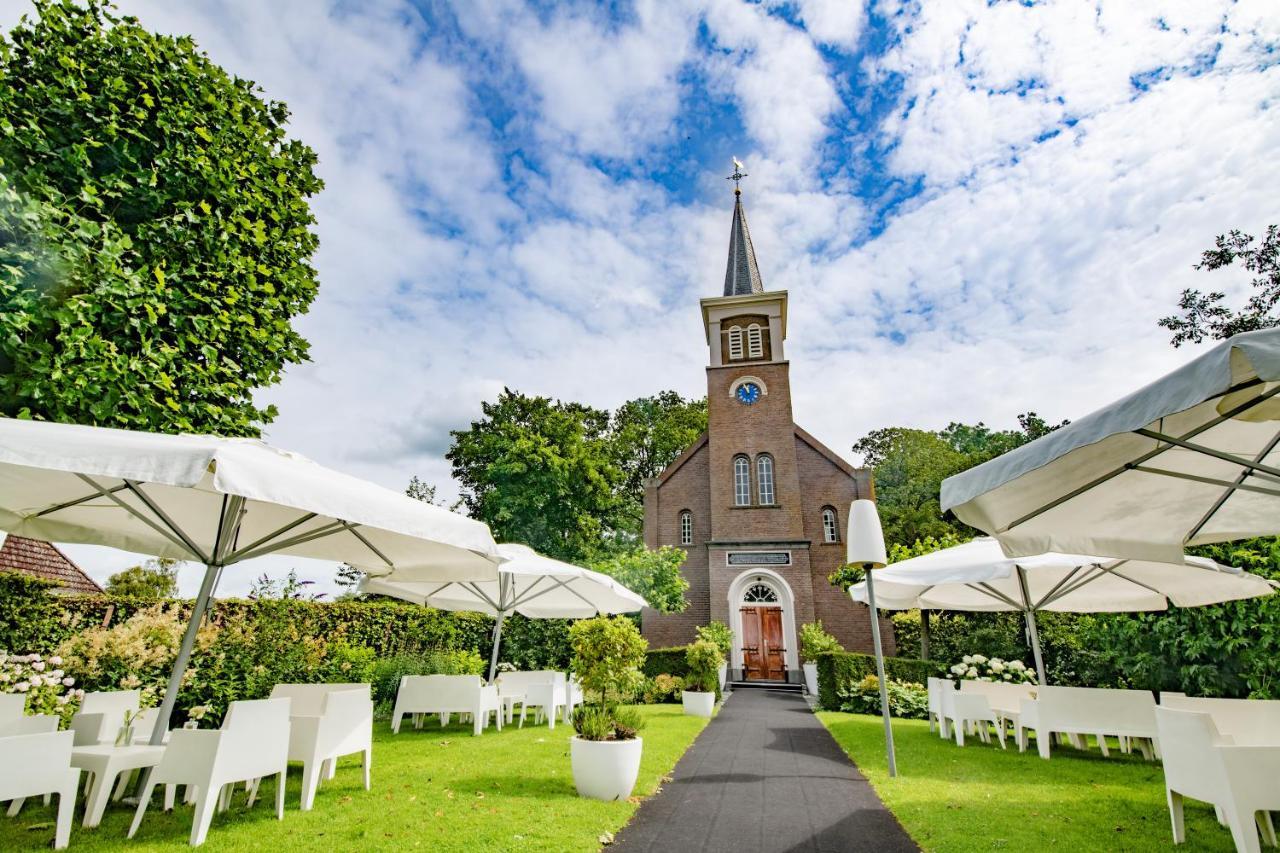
(742, 276)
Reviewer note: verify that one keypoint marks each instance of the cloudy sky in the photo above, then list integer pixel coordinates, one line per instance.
(979, 208)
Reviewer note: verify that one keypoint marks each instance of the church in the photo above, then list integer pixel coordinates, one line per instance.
(758, 504)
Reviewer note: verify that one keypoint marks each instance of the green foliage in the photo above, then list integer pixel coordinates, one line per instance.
(532, 644)
(540, 472)
(703, 659)
(627, 723)
(647, 435)
(718, 633)
(661, 689)
(30, 616)
(837, 671)
(607, 655)
(899, 552)
(288, 588)
(46, 686)
(154, 579)
(154, 230)
(1205, 316)
(592, 723)
(669, 661)
(385, 674)
(652, 574)
(982, 668)
(814, 641)
(907, 700)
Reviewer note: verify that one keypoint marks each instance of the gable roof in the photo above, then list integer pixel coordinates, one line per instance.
(830, 455)
(679, 461)
(43, 560)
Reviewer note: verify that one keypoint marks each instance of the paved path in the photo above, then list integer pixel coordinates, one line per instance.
(765, 775)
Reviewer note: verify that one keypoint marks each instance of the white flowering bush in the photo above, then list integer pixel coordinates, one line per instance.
(982, 668)
(48, 688)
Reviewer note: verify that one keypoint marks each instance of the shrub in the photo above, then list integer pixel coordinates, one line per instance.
(703, 659)
(386, 673)
(720, 634)
(48, 689)
(907, 700)
(30, 618)
(669, 661)
(982, 668)
(815, 641)
(839, 670)
(661, 689)
(607, 655)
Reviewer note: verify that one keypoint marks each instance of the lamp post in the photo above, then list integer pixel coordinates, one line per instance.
(866, 549)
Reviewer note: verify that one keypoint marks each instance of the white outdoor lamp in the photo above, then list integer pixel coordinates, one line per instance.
(866, 549)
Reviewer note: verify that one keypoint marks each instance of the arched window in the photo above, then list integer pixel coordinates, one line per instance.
(755, 342)
(741, 481)
(764, 477)
(830, 525)
(686, 527)
(760, 593)
(735, 342)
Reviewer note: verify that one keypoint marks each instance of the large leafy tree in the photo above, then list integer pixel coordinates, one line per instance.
(647, 434)
(540, 472)
(654, 575)
(155, 233)
(1204, 315)
(153, 579)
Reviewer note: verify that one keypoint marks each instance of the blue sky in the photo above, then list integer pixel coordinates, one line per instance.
(979, 208)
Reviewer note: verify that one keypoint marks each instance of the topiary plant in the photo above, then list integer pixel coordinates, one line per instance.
(607, 656)
(814, 640)
(704, 659)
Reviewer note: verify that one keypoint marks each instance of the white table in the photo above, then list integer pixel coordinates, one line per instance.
(106, 762)
(508, 701)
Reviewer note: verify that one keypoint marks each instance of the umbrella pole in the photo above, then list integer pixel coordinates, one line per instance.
(1030, 611)
(184, 654)
(497, 640)
(884, 688)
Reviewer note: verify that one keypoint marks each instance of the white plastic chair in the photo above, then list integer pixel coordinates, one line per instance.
(446, 695)
(1245, 721)
(252, 743)
(36, 765)
(972, 711)
(937, 721)
(12, 707)
(1201, 763)
(101, 715)
(545, 691)
(1082, 711)
(32, 725)
(334, 722)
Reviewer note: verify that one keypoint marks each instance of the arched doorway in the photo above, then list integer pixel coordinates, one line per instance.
(761, 613)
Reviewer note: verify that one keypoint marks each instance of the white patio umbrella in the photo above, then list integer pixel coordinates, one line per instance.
(1192, 458)
(527, 583)
(220, 501)
(977, 576)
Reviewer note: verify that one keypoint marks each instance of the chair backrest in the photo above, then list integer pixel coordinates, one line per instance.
(1192, 765)
(1000, 694)
(347, 722)
(934, 686)
(30, 725)
(12, 706)
(1248, 722)
(439, 692)
(520, 680)
(255, 740)
(112, 705)
(91, 729)
(34, 764)
(1094, 710)
(309, 699)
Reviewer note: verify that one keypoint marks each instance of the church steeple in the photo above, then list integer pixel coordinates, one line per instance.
(741, 276)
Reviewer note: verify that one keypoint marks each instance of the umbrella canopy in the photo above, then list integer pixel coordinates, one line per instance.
(528, 583)
(978, 576)
(1190, 459)
(221, 501)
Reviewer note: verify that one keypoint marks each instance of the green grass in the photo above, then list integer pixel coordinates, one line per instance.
(983, 798)
(434, 789)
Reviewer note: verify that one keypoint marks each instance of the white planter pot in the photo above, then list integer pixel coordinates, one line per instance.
(698, 704)
(605, 769)
(724, 675)
(811, 678)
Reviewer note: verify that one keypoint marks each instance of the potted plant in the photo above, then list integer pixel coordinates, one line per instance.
(605, 752)
(704, 661)
(720, 634)
(814, 640)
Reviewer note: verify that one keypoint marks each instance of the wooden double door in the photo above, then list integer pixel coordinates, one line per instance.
(763, 651)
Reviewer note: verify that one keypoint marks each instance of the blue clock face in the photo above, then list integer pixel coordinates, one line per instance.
(748, 393)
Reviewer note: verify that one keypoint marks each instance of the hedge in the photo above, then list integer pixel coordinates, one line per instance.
(837, 670)
(669, 661)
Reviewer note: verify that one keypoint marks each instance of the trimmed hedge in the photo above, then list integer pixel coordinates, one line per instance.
(669, 661)
(841, 669)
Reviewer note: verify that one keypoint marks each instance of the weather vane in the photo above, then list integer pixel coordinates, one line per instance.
(737, 175)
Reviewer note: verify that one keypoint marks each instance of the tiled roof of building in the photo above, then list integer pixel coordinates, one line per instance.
(44, 560)
(742, 276)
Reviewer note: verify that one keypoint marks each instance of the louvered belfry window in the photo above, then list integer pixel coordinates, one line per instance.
(755, 342)
(735, 343)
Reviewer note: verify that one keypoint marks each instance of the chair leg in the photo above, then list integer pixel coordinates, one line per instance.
(310, 777)
(1175, 816)
(1266, 828)
(331, 768)
(395, 722)
(367, 760)
(1243, 830)
(1000, 735)
(66, 811)
(16, 806)
(206, 805)
(224, 797)
(521, 715)
(169, 792)
(1102, 745)
(959, 729)
(1042, 742)
(253, 792)
(143, 799)
(477, 723)
(280, 795)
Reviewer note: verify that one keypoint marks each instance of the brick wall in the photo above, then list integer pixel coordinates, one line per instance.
(686, 487)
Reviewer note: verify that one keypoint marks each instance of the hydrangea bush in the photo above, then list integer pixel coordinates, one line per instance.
(982, 668)
(907, 700)
(48, 688)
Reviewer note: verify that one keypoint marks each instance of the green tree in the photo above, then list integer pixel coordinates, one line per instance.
(648, 434)
(153, 579)
(541, 472)
(1205, 316)
(155, 233)
(654, 575)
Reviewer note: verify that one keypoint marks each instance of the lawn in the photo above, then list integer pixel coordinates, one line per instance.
(434, 789)
(982, 798)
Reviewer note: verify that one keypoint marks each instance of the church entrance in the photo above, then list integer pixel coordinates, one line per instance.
(763, 651)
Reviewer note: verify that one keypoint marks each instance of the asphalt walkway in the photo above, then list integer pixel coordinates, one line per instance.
(765, 775)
